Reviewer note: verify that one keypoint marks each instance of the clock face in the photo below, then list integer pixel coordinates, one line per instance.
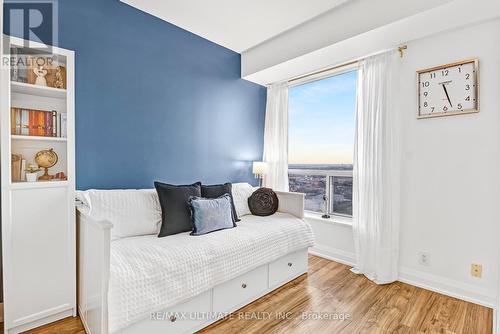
(448, 90)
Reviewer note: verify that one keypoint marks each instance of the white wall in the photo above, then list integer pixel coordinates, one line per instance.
(450, 176)
(333, 240)
(451, 168)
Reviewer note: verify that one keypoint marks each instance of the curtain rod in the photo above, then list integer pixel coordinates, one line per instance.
(400, 48)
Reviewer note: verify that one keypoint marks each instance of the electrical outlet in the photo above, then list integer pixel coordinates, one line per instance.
(424, 258)
(476, 270)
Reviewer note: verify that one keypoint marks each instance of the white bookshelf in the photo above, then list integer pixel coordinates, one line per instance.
(38, 218)
(40, 185)
(30, 89)
(38, 138)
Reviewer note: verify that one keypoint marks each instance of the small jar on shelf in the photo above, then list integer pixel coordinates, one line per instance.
(32, 173)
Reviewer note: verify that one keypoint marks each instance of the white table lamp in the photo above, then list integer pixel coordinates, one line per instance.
(259, 170)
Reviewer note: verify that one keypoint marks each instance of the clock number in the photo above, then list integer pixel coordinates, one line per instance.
(444, 73)
(460, 106)
(467, 87)
(445, 108)
(433, 75)
(467, 76)
(459, 69)
(467, 98)
(432, 109)
(425, 104)
(426, 93)
(425, 84)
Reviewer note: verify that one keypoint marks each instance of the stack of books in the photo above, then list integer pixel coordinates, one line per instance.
(31, 122)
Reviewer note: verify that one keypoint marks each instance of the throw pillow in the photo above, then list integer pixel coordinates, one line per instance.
(175, 212)
(209, 215)
(132, 212)
(217, 190)
(263, 202)
(241, 193)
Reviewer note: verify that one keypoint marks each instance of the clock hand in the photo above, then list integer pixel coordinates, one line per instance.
(447, 96)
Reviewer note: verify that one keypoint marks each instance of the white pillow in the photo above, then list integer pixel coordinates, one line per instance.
(131, 211)
(241, 192)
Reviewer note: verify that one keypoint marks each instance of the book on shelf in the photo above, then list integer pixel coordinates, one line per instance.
(23, 169)
(25, 121)
(18, 168)
(32, 123)
(42, 123)
(54, 124)
(63, 125)
(16, 163)
(48, 125)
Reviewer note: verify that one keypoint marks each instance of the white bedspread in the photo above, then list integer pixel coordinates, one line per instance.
(149, 274)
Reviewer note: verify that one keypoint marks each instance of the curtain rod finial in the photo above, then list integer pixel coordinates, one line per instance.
(401, 49)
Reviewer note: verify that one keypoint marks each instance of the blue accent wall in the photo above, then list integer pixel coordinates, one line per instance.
(155, 102)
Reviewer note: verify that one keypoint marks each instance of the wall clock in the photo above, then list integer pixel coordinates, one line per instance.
(450, 89)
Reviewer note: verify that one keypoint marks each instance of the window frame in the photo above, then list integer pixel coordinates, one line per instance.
(316, 76)
(328, 174)
(320, 75)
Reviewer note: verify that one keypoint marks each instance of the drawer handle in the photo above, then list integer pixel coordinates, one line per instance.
(243, 285)
(173, 318)
(290, 264)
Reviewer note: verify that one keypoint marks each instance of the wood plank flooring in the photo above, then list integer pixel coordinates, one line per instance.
(316, 302)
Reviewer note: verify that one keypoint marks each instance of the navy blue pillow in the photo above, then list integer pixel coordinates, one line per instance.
(211, 214)
(175, 212)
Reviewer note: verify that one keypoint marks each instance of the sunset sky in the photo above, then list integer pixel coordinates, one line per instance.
(321, 121)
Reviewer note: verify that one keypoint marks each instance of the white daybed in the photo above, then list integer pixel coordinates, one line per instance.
(182, 283)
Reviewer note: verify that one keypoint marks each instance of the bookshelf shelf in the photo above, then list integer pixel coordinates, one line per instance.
(38, 138)
(25, 88)
(39, 184)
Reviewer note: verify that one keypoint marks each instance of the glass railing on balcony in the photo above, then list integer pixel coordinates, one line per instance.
(326, 191)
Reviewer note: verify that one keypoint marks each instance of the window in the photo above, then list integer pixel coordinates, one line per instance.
(321, 142)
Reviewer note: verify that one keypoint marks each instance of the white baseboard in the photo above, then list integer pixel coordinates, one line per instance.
(448, 287)
(334, 254)
(83, 320)
(439, 284)
(496, 321)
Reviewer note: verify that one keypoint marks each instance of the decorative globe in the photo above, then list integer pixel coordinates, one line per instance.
(46, 158)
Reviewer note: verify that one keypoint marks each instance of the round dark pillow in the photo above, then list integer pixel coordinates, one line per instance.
(263, 202)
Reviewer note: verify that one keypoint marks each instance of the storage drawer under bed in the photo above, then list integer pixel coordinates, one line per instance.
(239, 291)
(287, 267)
(182, 318)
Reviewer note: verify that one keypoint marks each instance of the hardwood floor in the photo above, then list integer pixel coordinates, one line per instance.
(65, 326)
(331, 291)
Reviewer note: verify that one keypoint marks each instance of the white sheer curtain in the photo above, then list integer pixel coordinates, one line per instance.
(376, 169)
(276, 138)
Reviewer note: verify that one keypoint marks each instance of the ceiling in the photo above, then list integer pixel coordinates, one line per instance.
(235, 24)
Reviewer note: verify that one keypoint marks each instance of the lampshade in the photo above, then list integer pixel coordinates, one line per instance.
(259, 168)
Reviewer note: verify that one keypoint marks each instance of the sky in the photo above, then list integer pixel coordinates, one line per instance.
(321, 120)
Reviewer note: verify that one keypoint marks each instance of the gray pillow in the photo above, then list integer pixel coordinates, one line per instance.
(209, 215)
